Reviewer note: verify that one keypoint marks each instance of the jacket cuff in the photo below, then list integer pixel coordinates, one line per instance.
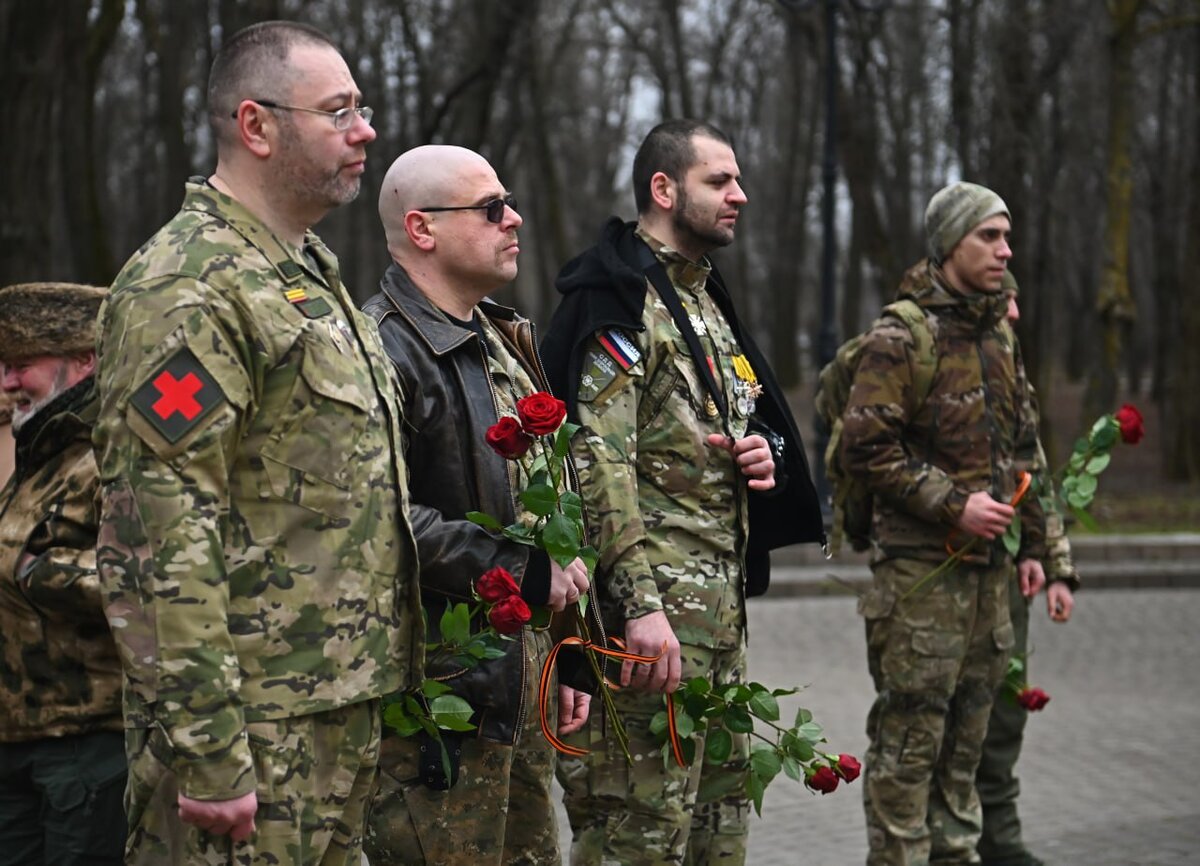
(953, 506)
(225, 776)
(535, 582)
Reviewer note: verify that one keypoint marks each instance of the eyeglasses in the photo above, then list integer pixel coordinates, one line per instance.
(342, 118)
(495, 208)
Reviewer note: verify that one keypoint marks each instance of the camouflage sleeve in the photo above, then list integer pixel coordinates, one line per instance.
(62, 576)
(874, 424)
(169, 352)
(605, 453)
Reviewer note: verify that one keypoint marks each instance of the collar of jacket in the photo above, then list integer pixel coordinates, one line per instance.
(203, 197)
(926, 284)
(434, 327)
(71, 413)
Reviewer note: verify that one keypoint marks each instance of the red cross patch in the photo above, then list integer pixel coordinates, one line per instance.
(178, 395)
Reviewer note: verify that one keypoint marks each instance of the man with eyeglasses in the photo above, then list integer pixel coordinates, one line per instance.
(463, 362)
(691, 470)
(258, 565)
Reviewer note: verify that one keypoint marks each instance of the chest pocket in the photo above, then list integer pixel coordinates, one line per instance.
(691, 386)
(310, 455)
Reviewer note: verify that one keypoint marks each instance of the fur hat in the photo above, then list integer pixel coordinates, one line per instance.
(48, 319)
(6, 406)
(954, 211)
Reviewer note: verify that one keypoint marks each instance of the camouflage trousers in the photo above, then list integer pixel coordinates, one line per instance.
(995, 779)
(655, 812)
(60, 801)
(937, 658)
(500, 811)
(314, 774)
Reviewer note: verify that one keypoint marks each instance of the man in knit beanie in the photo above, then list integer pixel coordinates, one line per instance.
(62, 754)
(943, 471)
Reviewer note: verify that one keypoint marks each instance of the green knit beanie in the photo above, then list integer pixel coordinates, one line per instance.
(954, 211)
(1008, 284)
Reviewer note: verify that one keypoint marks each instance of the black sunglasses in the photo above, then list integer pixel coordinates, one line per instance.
(494, 208)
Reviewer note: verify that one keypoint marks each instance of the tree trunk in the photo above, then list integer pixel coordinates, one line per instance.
(1114, 303)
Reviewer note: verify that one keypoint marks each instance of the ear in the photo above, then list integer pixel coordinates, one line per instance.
(253, 123)
(419, 228)
(662, 190)
(83, 364)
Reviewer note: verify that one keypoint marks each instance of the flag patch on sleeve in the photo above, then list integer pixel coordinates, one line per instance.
(620, 347)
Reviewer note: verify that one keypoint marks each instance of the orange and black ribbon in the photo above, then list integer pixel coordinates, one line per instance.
(587, 645)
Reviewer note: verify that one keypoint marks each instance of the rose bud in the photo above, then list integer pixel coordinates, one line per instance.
(1033, 699)
(847, 767)
(509, 615)
(1130, 421)
(495, 585)
(823, 780)
(507, 438)
(541, 413)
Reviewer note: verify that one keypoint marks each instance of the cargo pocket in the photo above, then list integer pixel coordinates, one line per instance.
(936, 658)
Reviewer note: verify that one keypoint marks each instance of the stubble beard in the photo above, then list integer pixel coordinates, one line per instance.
(689, 223)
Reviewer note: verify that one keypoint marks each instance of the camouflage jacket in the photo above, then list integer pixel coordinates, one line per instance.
(975, 431)
(453, 390)
(254, 546)
(59, 671)
(667, 511)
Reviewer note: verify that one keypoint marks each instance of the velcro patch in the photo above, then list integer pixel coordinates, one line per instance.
(599, 371)
(622, 349)
(178, 396)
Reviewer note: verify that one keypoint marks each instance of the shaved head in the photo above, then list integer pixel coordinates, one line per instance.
(432, 175)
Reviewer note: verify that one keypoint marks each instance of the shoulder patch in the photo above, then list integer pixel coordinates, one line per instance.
(599, 371)
(177, 396)
(620, 347)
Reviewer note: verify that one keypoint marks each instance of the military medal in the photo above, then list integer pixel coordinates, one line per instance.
(746, 387)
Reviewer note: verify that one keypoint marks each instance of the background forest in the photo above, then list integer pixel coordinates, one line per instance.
(1083, 114)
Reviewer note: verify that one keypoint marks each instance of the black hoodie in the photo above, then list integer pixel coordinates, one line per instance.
(606, 287)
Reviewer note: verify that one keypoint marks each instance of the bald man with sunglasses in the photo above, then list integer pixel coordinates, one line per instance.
(463, 361)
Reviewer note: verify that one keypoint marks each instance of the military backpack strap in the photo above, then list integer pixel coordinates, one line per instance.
(924, 350)
(657, 274)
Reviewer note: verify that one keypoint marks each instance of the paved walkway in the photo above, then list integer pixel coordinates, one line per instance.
(1107, 769)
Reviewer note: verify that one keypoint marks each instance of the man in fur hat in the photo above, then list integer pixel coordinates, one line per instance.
(62, 756)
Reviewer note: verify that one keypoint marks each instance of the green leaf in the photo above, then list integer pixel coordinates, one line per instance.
(755, 788)
(1081, 446)
(697, 686)
(799, 749)
(738, 720)
(688, 749)
(658, 724)
(1012, 536)
(571, 505)
(1087, 485)
(802, 716)
(764, 705)
(539, 476)
(484, 520)
(1099, 463)
(456, 624)
(1105, 438)
(561, 539)
(718, 746)
(541, 499)
(590, 557)
(562, 440)
(1077, 500)
(812, 732)
(779, 693)
(1103, 423)
(737, 694)
(765, 761)
(539, 617)
(520, 533)
(433, 688)
(452, 713)
(792, 767)
(685, 725)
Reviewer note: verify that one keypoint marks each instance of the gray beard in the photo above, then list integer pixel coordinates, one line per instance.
(21, 417)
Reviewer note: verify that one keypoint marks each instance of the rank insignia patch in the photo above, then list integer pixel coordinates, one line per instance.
(178, 396)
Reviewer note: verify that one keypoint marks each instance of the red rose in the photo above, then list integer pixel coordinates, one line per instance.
(823, 780)
(1033, 699)
(495, 585)
(508, 439)
(1130, 420)
(848, 767)
(541, 413)
(509, 615)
